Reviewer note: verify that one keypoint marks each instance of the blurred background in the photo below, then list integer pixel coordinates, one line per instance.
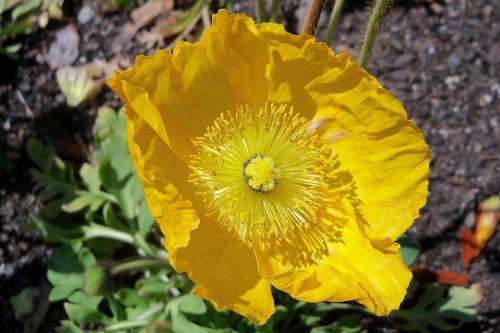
(440, 58)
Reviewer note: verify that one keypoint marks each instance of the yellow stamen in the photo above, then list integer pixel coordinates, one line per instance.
(261, 173)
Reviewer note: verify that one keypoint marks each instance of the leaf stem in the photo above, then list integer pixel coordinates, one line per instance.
(259, 11)
(275, 6)
(334, 21)
(136, 264)
(140, 321)
(121, 326)
(95, 230)
(378, 13)
(312, 16)
(149, 250)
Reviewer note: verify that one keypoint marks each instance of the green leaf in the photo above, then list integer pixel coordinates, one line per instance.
(108, 176)
(440, 310)
(84, 308)
(25, 8)
(310, 320)
(53, 233)
(90, 176)
(83, 313)
(68, 327)
(145, 219)
(129, 297)
(66, 269)
(24, 302)
(10, 51)
(180, 324)
(152, 287)
(191, 304)
(15, 29)
(85, 199)
(111, 219)
(410, 248)
(7, 4)
(119, 313)
(346, 324)
(98, 280)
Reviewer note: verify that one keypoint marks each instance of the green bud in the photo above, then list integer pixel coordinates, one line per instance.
(98, 281)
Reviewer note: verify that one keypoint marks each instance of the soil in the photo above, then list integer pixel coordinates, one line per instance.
(441, 58)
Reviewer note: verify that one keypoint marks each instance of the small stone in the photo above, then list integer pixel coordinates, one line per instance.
(63, 51)
(6, 125)
(85, 15)
(470, 220)
(477, 147)
(485, 99)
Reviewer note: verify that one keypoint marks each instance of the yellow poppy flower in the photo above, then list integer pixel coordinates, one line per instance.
(269, 161)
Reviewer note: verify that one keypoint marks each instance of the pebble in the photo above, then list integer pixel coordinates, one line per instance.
(485, 99)
(63, 51)
(85, 15)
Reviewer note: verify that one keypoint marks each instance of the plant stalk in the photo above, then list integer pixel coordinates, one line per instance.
(259, 11)
(378, 13)
(149, 250)
(136, 264)
(333, 22)
(312, 16)
(275, 6)
(98, 231)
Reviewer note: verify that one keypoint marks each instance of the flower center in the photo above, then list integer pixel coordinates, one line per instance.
(261, 173)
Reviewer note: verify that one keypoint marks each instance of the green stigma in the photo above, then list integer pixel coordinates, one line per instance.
(261, 173)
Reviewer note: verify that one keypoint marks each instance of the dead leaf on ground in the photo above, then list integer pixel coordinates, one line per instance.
(163, 19)
(81, 83)
(473, 241)
(146, 13)
(442, 276)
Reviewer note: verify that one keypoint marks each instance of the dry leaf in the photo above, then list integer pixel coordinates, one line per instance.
(473, 241)
(80, 83)
(146, 13)
(443, 276)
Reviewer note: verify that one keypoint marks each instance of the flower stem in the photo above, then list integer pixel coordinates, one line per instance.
(334, 21)
(137, 264)
(378, 13)
(259, 10)
(98, 231)
(149, 250)
(312, 16)
(275, 6)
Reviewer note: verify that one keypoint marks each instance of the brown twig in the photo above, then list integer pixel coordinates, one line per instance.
(312, 16)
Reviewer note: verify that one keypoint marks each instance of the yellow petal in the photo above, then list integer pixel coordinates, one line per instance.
(376, 143)
(226, 273)
(162, 175)
(366, 271)
(144, 90)
(178, 94)
(295, 61)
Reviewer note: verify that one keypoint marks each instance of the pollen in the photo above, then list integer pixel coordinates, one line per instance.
(261, 173)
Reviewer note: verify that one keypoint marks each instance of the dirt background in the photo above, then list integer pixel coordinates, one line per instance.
(441, 58)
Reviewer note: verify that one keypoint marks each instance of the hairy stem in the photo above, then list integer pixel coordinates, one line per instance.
(377, 15)
(259, 11)
(275, 6)
(334, 21)
(312, 16)
(137, 264)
